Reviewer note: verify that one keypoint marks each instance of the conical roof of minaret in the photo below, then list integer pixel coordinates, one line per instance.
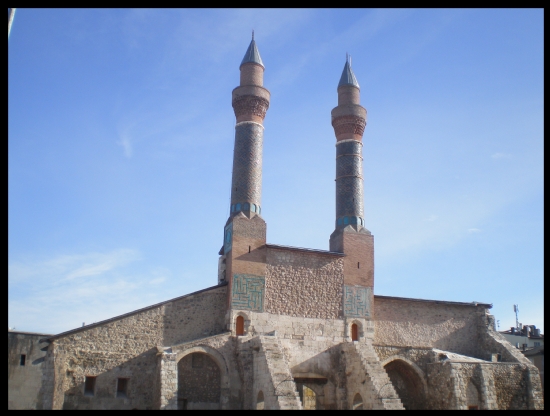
(252, 54)
(348, 77)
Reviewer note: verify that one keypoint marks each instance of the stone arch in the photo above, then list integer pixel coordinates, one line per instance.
(246, 323)
(357, 402)
(408, 380)
(202, 378)
(260, 401)
(473, 397)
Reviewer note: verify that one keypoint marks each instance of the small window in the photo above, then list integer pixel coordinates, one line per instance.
(122, 387)
(473, 407)
(89, 386)
(23, 359)
(537, 344)
(239, 326)
(354, 333)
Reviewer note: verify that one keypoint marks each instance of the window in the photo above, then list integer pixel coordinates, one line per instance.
(239, 326)
(89, 386)
(354, 333)
(22, 359)
(537, 344)
(473, 407)
(122, 387)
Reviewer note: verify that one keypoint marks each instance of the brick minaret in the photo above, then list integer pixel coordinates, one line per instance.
(243, 252)
(350, 236)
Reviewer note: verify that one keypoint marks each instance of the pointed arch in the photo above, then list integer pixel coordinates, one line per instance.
(408, 380)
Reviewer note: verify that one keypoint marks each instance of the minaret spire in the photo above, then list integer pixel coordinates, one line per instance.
(350, 236)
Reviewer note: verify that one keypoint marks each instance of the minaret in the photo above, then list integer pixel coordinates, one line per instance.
(250, 103)
(351, 237)
(242, 261)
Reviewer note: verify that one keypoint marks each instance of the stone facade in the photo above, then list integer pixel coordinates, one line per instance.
(26, 354)
(286, 327)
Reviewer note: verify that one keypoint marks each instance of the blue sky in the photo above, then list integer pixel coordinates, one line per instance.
(121, 137)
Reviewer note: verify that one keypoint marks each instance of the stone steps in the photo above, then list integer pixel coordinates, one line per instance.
(279, 370)
(383, 387)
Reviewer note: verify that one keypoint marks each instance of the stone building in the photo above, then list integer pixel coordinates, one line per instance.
(288, 327)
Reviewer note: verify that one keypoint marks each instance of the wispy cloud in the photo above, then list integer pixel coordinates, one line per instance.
(473, 230)
(93, 286)
(126, 144)
(431, 218)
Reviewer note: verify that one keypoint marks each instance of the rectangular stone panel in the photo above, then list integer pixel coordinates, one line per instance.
(357, 301)
(248, 292)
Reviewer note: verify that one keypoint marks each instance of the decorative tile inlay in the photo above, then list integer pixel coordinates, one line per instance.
(248, 292)
(349, 182)
(228, 238)
(357, 301)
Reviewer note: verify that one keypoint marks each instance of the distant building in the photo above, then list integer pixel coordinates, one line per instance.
(524, 337)
(529, 340)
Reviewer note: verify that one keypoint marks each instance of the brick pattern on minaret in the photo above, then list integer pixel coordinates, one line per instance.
(250, 103)
(350, 236)
(349, 120)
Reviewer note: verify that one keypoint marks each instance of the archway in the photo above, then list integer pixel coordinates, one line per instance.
(260, 401)
(357, 402)
(354, 332)
(199, 382)
(407, 383)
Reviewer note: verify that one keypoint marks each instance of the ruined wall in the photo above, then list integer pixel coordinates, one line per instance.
(300, 283)
(402, 322)
(125, 347)
(511, 386)
(24, 381)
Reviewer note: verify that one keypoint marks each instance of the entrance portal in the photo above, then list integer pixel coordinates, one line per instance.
(199, 382)
(312, 392)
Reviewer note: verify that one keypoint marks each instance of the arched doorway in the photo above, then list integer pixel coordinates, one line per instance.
(357, 402)
(199, 382)
(260, 401)
(407, 383)
(239, 326)
(354, 332)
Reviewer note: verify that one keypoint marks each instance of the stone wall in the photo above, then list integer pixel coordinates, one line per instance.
(442, 325)
(126, 347)
(25, 378)
(303, 283)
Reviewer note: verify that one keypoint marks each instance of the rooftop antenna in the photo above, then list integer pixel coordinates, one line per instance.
(252, 34)
(516, 310)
